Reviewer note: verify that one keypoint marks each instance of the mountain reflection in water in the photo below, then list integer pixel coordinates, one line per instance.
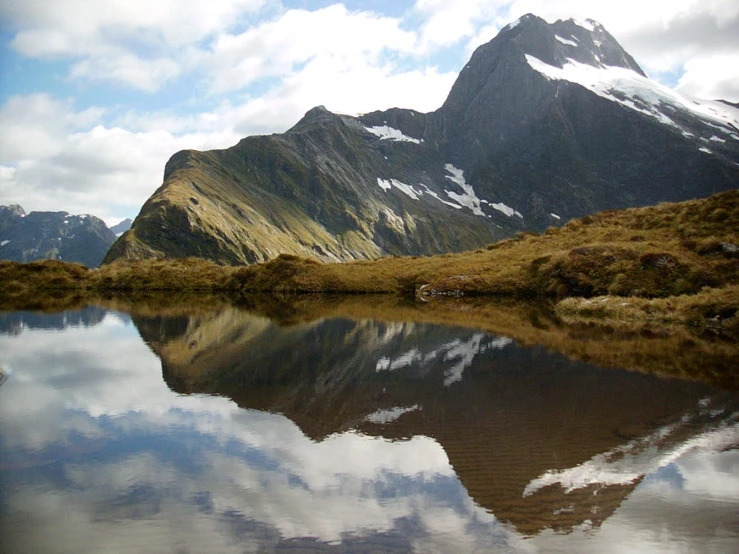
(347, 435)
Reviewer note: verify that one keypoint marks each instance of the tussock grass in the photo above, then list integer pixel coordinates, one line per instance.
(187, 274)
(712, 312)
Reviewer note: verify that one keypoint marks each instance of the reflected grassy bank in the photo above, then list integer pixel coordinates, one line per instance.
(650, 346)
(655, 345)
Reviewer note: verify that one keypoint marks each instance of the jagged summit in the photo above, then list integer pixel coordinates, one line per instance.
(545, 122)
(314, 116)
(587, 42)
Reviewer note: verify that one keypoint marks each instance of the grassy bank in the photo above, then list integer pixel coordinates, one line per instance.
(676, 263)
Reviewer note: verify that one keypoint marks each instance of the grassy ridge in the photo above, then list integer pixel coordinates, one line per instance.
(661, 251)
(676, 262)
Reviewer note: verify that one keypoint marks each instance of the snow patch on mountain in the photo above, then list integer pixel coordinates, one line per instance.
(404, 360)
(384, 185)
(507, 210)
(468, 198)
(408, 190)
(382, 417)
(589, 24)
(565, 41)
(415, 194)
(388, 133)
(514, 24)
(459, 353)
(630, 89)
(635, 459)
(439, 198)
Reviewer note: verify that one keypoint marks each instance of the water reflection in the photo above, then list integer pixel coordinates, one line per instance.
(14, 323)
(344, 435)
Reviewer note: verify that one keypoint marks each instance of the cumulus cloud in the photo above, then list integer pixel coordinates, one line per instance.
(446, 22)
(137, 43)
(275, 48)
(51, 28)
(712, 77)
(36, 126)
(123, 67)
(55, 157)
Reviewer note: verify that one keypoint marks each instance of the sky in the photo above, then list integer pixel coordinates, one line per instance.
(96, 95)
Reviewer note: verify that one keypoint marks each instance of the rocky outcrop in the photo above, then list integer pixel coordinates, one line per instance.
(545, 123)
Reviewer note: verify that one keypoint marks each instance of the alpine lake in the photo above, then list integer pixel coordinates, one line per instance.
(359, 425)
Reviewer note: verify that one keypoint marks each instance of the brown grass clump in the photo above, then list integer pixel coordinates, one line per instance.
(188, 274)
(711, 312)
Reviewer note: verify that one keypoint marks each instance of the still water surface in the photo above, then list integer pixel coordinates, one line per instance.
(224, 432)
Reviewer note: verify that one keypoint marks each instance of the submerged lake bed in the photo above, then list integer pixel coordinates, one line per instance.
(225, 429)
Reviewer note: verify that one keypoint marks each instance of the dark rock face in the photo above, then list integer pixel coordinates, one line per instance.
(52, 235)
(545, 123)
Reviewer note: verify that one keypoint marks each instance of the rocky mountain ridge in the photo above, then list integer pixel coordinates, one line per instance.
(546, 122)
(35, 236)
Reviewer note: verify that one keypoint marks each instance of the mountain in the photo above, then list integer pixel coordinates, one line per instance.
(52, 235)
(545, 123)
(538, 440)
(121, 227)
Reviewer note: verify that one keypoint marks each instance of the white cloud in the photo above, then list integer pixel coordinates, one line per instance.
(361, 88)
(275, 48)
(712, 77)
(53, 160)
(36, 126)
(446, 22)
(136, 42)
(123, 67)
(78, 27)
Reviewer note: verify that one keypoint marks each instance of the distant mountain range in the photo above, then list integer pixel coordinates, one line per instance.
(545, 123)
(34, 236)
(121, 227)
